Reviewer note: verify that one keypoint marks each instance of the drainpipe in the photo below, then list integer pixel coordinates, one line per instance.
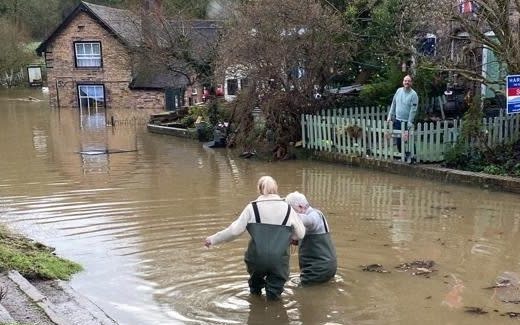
(57, 95)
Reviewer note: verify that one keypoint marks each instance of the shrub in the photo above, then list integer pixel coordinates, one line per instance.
(456, 156)
(515, 171)
(188, 121)
(494, 170)
(205, 132)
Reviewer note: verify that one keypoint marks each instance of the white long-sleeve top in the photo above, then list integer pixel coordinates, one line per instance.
(272, 210)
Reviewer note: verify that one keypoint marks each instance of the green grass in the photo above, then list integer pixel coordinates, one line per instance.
(32, 259)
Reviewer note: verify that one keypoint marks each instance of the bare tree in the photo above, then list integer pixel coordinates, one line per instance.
(171, 47)
(476, 25)
(495, 25)
(288, 50)
(463, 30)
(14, 57)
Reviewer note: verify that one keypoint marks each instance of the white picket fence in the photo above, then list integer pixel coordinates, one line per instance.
(363, 131)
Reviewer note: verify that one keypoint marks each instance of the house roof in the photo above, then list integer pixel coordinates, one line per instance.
(126, 26)
(150, 79)
(123, 24)
(199, 31)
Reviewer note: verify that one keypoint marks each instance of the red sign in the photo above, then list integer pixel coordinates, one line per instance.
(513, 92)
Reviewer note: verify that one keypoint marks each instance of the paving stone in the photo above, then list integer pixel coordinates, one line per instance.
(46, 302)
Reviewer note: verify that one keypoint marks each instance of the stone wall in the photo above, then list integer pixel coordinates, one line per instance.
(115, 73)
(431, 172)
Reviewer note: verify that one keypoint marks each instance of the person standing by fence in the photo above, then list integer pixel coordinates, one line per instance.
(403, 110)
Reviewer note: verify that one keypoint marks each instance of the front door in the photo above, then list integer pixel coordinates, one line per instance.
(173, 98)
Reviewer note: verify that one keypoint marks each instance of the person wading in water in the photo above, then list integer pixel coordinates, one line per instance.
(272, 224)
(316, 252)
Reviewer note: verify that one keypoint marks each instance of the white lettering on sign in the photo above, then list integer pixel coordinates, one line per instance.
(514, 80)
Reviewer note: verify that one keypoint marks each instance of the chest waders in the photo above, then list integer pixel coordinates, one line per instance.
(267, 255)
(317, 257)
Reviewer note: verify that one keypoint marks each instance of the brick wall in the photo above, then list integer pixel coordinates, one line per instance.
(115, 74)
(195, 97)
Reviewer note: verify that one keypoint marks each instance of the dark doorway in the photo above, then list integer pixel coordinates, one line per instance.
(173, 98)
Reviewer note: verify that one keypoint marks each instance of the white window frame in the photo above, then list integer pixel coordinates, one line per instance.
(88, 54)
(91, 98)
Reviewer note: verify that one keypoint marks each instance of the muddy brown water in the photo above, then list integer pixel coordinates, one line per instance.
(137, 221)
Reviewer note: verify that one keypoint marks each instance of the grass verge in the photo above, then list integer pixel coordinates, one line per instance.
(33, 259)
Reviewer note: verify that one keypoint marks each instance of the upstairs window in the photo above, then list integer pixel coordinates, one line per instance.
(467, 7)
(88, 54)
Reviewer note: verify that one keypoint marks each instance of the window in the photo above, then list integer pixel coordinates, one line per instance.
(467, 7)
(35, 75)
(88, 54)
(91, 98)
(232, 86)
(428, 44)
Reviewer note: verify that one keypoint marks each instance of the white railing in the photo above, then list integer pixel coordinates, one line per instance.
(363, 131)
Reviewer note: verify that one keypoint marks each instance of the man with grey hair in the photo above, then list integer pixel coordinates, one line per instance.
(316, 252)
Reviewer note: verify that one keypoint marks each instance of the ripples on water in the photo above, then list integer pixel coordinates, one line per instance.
(137, 221)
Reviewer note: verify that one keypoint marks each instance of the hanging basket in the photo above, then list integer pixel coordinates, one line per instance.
(354, 131)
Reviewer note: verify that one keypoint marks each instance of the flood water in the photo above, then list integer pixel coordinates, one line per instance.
(136, 221)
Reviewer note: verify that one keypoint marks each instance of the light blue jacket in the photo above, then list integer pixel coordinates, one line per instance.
(404, 106)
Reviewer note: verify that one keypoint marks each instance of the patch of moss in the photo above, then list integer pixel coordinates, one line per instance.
(33, 259)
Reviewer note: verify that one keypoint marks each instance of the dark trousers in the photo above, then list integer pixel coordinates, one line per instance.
(397, 126)
(272, 282)
(398, 141)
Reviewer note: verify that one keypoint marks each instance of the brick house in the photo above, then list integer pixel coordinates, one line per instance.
(92, 65)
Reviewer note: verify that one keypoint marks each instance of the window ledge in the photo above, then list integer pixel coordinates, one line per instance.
(100, 69)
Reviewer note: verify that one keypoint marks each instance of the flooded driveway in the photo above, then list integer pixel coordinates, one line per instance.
(136, 219)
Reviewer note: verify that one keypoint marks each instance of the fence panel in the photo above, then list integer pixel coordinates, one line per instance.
(342, 135)
(364, 131)
(418, 136)
(412, 144)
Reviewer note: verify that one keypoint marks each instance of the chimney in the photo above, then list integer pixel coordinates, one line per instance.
(151, 15)
(151, 6)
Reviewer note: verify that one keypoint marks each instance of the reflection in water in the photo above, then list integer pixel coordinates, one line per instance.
(94, 164)
(332, 296)
(40, 141)
(93, 120)
(136, 221)
(265, 312)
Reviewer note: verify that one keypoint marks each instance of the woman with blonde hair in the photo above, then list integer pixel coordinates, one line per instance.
(272, 224)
